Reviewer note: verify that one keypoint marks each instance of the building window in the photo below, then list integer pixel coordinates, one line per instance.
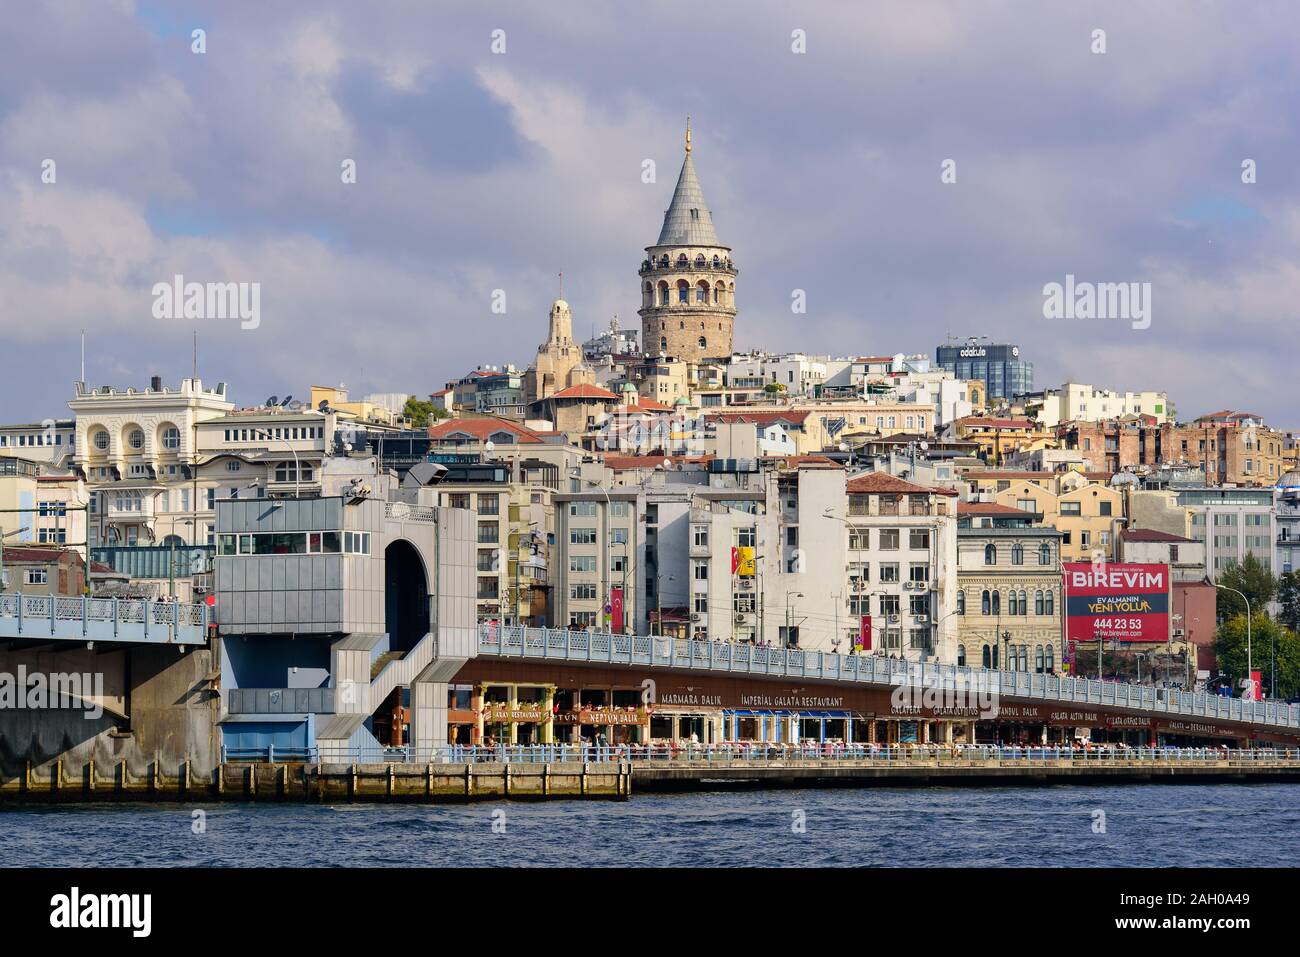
(1044, 554)
(1017, 554)
(489, 504)
(37, 576)
(990, 555)
(233, 466)
(135, 439)
(487, 532)
(918, 538)
(700, 535)
(171, 437)
(580, 509)
(101, 440)
(577, 536)
(961, 603)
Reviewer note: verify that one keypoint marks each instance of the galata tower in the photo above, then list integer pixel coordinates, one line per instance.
(688, 281)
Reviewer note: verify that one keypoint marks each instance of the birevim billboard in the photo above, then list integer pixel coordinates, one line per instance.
(1112, 601)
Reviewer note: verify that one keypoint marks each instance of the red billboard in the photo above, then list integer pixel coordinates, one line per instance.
(1113, 601)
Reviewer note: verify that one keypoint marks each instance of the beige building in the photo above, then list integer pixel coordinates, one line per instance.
(559, 364)
(1088, 514)
(1009, 609)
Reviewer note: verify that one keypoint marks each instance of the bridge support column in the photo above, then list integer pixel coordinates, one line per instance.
(428, 714)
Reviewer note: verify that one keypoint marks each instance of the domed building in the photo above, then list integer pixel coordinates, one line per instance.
(688, 281)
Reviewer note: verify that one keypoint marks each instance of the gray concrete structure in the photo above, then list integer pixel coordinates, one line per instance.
(361, 593)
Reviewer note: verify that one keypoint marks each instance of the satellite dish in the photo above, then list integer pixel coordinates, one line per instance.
(272, 401)
(489, 446)
(323, 406)
(924, 446)
(294, 406)
(285, 400)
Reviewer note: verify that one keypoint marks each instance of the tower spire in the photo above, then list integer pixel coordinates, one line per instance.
(688, 134)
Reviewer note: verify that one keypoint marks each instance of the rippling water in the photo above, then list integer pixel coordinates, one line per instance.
(1145, 825)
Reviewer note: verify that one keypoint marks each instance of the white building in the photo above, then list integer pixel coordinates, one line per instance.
(1078, 402)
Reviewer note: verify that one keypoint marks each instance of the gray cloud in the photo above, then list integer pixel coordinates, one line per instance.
(478, 172)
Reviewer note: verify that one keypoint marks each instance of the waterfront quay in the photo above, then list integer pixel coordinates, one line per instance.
(460, 774)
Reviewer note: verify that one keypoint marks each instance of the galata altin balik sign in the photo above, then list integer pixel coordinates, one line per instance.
(1120, 602)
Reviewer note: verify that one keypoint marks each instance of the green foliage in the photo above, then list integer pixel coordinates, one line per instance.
(422, 411)
(1288, 596)
(1254, 580)
(1267, 638)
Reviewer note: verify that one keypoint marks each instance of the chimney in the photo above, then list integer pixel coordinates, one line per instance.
(155, 383)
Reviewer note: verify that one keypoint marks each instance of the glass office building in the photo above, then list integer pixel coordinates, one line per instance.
(1004, 373)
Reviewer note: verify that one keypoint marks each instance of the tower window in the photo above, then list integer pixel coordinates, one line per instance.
(695, 214)
(703, 342)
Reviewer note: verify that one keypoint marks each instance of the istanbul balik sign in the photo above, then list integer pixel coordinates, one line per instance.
(1116, 602)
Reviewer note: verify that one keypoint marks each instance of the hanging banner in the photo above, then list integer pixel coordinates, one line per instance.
(616, 608)
(863, 640)
(746, 566)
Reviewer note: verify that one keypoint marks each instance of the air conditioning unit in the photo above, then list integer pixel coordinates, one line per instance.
(695, 616)
(740, 619)
(746, 584)
(893, 619)
(921, 619)
(907, 585)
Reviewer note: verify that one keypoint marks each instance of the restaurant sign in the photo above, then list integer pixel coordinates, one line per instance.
(601, 716)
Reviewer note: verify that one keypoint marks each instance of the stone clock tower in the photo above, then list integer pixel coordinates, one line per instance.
(688, 281)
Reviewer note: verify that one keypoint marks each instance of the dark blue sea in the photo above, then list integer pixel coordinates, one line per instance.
(1222, 825)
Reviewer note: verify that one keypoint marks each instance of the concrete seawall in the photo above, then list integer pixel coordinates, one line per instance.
(61, 783)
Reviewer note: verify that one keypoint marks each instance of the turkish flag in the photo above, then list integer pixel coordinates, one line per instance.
(735, 559)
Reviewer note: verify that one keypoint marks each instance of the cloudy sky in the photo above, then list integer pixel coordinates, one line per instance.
(479, 171)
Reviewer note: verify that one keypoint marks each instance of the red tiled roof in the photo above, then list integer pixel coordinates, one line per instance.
(988, 508)
(971, 474)
(975, 421)
(24, 553)
(760, 418)
(481, 429)
(883, 482)
(1152, 535)
(807, 461)
(584, 390)
(622, 463)
(647, 405)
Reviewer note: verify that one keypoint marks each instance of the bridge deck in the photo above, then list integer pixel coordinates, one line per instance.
(556, 644)
(82, 618)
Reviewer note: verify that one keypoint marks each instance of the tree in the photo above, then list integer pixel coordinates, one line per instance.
(1288, 596)
(1267, 638)
(1252, 579)
(422, 411)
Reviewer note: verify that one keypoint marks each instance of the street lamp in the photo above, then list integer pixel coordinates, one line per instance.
(788, 597)
(1250, 667)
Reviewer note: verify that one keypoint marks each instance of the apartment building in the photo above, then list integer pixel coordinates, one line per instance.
(1088, 514)
(1080, 402)
(902, 563)
(1009, 598)
(514, 524)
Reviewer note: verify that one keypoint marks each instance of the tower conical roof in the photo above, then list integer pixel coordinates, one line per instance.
(687, 221)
